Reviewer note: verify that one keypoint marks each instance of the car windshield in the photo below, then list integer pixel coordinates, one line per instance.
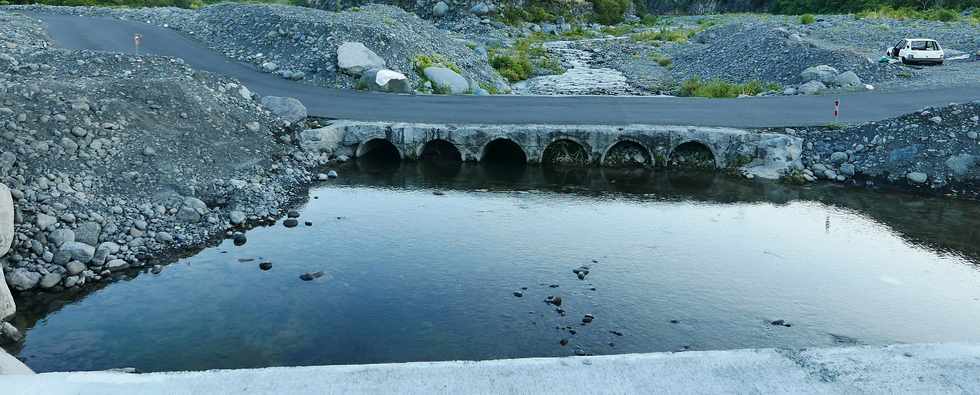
(924, 45)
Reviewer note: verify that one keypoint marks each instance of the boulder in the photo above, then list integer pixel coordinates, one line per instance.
(49, 280)
(384, 80)
(822, 73)
(74, 251)
(964, 166)
(812, 88)
(23, 279)
(43, 221)
(440, 9)
(287, 108)
(480, 9)
(88, 233)
(354, 58)
(917, 177)
(848, 79)
(6, 219)
(326, 139)
(445, 80)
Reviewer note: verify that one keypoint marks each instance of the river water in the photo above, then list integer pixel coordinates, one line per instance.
(423, 264)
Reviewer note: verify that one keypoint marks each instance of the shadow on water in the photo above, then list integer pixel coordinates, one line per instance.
(943, 225)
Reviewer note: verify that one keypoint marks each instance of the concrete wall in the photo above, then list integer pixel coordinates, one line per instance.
(730, 147)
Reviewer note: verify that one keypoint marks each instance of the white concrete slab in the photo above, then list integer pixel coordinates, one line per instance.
(925, 368)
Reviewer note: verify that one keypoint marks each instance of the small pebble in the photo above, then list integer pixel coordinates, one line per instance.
(265, 265)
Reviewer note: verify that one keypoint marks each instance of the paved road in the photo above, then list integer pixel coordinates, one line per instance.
(117, 35)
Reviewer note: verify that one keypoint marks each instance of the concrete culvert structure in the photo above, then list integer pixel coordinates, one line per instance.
(503, 151)
(627, 154)
(565, 152)
(378, 149)
(439, 150)
(692, 155)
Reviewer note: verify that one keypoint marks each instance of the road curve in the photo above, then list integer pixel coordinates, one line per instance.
(106, 34)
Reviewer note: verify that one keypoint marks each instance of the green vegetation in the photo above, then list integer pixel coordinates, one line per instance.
(717, 88)
(662, 60)
(610, 12)
(946, 10)
(904, 13)
(807, 19)
(421, 62)
(618, 30)
(664, 34)
(794, 177)
(518, 63)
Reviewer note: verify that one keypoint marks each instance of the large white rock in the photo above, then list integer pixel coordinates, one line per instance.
(354, 58)
(327, 139)
(848, 79)
(822, 73)
(7, 307)
(384, 80)
(812, 88)
(445, 80)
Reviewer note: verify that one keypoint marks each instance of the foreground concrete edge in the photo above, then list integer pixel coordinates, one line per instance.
(918, 368)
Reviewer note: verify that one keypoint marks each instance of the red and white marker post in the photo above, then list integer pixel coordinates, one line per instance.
(836, 109)
(137, 40)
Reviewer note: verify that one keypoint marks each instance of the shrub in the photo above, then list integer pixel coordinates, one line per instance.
(717, 88)
(664, 34)
(662, 60)
(807, 19)
(422, 62)
(513, 68)
(610, 12)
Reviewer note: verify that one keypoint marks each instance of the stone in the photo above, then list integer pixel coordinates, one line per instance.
(480, 9)
(88, 233)
(331, 174)
(253, 126)
(789, 91)
(43, 221)
(848, 79)
(384, 80)
(74, 250)
(917, 177)
(838, 157)
(822, 73)
(75, 267)
(61, 236)
(23, 279)
(812, 88)
(848, 169)
(103, 251)
(936, 120)
(50, 280)
(188, 214)
(287, 108)
(236, 217)
(445, 80)
(972, 135)
(245, 93)
(963, 165)
(10, 332)
(164, 238)
(265, 266)
(116, 265)
(588, 318)
(310, 276)
(6, 219)
(326, 139)
(290, 223)
(239, 240)
(440, 9)
(354, 58)
(269, 67)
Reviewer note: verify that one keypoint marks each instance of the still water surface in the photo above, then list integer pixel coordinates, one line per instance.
(677, 262)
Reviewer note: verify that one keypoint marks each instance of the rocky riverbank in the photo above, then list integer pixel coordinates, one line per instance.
(115, 161)
(934, 150)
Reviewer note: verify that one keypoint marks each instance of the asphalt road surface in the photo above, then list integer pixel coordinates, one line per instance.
(105, 34)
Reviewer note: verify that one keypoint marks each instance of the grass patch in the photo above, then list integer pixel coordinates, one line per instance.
(664, 34)
(807, 19)
(518, 63)
(422, 62)
(618, 30)
(904, 13)
(717, 88)
(662, 60)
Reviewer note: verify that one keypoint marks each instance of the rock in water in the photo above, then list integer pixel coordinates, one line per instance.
(265, 265)
(290, 223)
(354, 58)
(588, 318)
(447, 81)
(310, 276)
(918, 178)
(239, 240)
(287, 108)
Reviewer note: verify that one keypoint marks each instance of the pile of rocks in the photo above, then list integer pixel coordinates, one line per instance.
(115, 161)
(820, 78)
(745, 51)
(936, 148)
(301, 43)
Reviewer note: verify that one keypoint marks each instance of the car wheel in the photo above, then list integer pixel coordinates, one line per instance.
(904, 61)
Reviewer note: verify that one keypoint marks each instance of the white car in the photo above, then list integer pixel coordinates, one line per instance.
(917, 50)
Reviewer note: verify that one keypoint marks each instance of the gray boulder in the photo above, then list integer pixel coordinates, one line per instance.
(6, 219)
(74, 251)
(326, 139)
(384, 80)
(49, 280)
(354, 58)
(75, 267)
(848, 79)
(822, 73)
(964, 166)
(480, 9)
(103, 251)
(287, 108)
(23, 279)
(446, 81)
(917, 177)
(88, 233)
(43, 221)
(440, 9)
(812, 88)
